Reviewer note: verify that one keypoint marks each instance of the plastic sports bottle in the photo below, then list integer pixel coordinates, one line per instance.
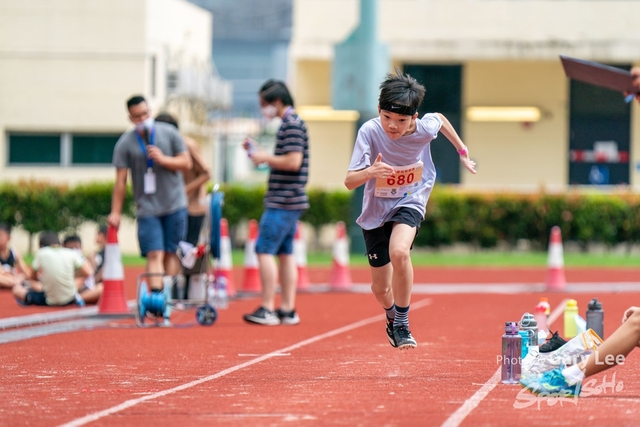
(544, 301)
(511, 354)
(541, 320)
(570, 326)
(222, 296)
(529, 333)
(211, 291)
(595, 317)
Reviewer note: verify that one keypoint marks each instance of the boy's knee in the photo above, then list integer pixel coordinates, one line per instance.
(380, 289)
(399, 255)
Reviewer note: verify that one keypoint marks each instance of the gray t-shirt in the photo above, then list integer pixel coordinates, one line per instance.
(404, 151)
(169, 196)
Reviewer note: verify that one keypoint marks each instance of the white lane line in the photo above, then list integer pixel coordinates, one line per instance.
(129, 403)
(471, 403)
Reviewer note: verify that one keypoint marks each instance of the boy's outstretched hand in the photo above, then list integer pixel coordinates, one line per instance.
(379, 169)
(468, 163)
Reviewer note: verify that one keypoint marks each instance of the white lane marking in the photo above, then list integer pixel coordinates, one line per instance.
(471, 403)
(129, 403)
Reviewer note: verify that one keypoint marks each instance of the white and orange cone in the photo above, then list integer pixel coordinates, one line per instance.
(340, 273)
(555, 262)
(112, 300)
(224, 268)
(300, 255)
(251, 280)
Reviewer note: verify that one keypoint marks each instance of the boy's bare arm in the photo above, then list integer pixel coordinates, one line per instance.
(85, 270)
(450, 133)
(378, 169)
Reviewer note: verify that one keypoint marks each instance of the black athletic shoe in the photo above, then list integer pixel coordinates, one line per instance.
(392, 339)
(262, 316)
(288, 317)
(553, 343)
(403, 338)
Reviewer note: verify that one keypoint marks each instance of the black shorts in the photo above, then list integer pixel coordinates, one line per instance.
(377, 240)
(39, 298)
(35, 298)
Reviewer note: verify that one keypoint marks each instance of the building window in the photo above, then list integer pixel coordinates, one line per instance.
(65, 149)
(34, 149)
(92, 149)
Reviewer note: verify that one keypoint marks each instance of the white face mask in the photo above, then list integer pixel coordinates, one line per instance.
(147, 124)
(269, 111)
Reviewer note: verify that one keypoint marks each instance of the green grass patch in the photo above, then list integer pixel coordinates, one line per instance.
(447, 259)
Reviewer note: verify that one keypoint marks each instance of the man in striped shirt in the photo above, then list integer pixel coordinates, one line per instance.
(285, 201)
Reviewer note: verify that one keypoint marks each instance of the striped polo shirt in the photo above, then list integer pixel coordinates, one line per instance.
(286, 188)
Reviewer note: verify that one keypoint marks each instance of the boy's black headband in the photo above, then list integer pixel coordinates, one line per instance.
(404, 110)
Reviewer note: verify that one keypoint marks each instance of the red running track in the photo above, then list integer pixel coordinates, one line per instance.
(351, 377)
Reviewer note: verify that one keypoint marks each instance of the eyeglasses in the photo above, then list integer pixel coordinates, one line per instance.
(140, 115)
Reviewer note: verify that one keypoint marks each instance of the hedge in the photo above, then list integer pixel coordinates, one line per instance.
(481, 219)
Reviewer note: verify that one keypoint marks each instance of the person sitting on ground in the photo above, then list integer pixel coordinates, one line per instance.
(613, 351)
(56, 267)
(88, 287)
(13, 269)
(97, 260)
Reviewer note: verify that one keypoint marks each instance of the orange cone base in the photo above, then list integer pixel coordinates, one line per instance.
(112, 300)
(303, 279)
(251, 281)
(556, 280)
(340, 278)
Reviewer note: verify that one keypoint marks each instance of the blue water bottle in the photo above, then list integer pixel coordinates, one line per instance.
(511, 354)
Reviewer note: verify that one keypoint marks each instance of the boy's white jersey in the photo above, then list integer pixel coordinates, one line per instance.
(404, 151)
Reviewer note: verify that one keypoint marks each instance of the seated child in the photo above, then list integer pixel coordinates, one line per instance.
(13, 269)
(56, 268)
(88, 287)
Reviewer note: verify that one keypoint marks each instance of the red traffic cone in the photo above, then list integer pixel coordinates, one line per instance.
(340, 274)
(555, 262)
(251, 280)
(300, 255)
(224, 267)
(112, 300)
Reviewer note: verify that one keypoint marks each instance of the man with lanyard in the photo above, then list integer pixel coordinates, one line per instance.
(155, 153)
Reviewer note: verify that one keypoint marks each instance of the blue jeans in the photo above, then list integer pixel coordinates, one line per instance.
(162, 233)
(277, 230)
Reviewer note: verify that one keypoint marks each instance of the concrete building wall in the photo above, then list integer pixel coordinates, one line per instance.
(514, 154)
(509, 53)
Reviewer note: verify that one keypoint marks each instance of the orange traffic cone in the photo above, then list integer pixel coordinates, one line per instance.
(340, 274)
(251, 280)
(555, 262)
(112, 300)
(224, 267)
(300, 254)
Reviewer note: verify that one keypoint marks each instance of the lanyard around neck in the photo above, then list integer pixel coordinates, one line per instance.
(143, 147)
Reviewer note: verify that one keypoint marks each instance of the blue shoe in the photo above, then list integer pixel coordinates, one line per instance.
(551, 383)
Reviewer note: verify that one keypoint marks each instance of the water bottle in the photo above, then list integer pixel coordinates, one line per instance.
(211, 291)
(570, 325)
(511, 354)
(541, 320)
(529, 333)
(222, 297)
(595, 317)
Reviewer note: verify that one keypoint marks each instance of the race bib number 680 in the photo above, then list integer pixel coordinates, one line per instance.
(405, 181)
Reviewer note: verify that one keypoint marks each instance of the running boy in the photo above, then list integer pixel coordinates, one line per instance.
(392, 157)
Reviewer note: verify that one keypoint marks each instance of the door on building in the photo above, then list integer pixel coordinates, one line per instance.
(599, 134)
(444, 95)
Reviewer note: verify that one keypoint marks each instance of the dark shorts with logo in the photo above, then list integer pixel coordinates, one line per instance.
(377, 240)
